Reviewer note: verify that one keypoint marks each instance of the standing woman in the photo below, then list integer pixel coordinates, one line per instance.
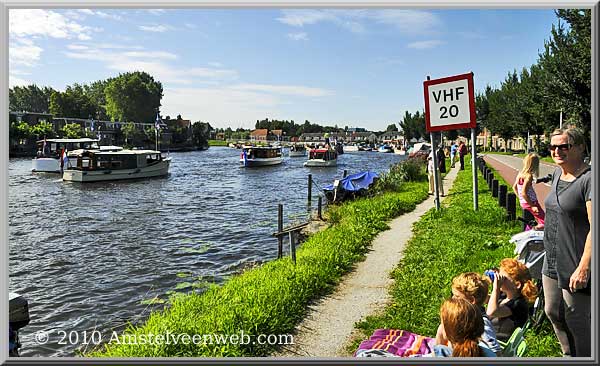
(568, 244)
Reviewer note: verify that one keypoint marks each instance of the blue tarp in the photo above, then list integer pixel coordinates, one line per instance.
(355, 182)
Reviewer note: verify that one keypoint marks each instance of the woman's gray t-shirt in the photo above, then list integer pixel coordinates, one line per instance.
(566, 226)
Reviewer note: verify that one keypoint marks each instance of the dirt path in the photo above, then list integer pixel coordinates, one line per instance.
(330, 323)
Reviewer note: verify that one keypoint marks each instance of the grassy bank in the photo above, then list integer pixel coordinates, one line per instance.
(273, 298)
(446, 243)
(217, 143)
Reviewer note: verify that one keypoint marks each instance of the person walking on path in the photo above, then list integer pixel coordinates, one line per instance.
(568, 243)
(441, 157)
(430, 174)
(523, 188)
(462, 151)
(453, 150)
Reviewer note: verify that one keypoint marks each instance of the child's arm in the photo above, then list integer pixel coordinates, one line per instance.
(495, 309)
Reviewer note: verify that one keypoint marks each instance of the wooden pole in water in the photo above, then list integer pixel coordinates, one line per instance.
(345, 173)
(279, 229)
(309, 187)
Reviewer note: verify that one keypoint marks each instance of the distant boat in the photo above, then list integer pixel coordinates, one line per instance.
(49, 150)
(297, 150)
(321, 157)
(420, 149)
(254, 156)
(385, 149)
(399, 150)
(98, 165)
(350, 148)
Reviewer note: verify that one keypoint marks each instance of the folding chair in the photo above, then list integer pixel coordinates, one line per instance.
(515, 346)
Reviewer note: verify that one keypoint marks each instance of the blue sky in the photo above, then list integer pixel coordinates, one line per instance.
(230, 67)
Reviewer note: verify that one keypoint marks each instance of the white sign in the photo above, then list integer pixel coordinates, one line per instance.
(449, 103)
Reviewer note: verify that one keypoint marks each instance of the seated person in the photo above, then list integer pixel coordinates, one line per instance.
(512, 292)
(462, 325)
(473, 287)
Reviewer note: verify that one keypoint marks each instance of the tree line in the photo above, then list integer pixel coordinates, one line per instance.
(531, 101)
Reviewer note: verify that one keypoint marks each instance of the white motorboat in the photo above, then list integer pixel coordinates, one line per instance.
(385, 149)
(119, 164)
(50, 151)
(321, 157)
(254, 156)
(350, 148)
(297, 150)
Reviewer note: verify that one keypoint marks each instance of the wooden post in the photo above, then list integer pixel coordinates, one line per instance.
(320, 208)
(293, 245)
(502, 195)
(345, 173)
(490, 179)
(495, 188)
(511, 206)
(309, 187)
(279, 229)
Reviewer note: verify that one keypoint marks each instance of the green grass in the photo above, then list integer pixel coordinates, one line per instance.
(446, 243)
(217, 143)
(273, 298)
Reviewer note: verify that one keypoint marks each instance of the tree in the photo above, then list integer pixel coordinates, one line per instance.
(391, 127)
(133, 96)
(566, 62)
(30, 98)
(130, 132)
(73, 102)
(20, 131)
(42, 130)
(200, 134)
(72, 131)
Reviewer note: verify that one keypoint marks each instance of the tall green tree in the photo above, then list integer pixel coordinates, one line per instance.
(566, 62)
(43, 129)
(133, 96)
(200, 134)
(30, 98)
(72, 131)
(73, 102)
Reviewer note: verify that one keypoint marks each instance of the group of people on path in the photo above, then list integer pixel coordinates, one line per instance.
(566, 273)
(456, 151)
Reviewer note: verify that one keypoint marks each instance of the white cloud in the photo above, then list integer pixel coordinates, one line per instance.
(425, 44)
(215, 64)
(24, 52)
(407, 21)
(156, 11)
(15, 81)
(151, 54)
(220, 106)
(298, 36)
(104, 15)
(155, 28)
(285, 89)
(39, 22)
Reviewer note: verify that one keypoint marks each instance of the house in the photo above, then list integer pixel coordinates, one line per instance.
(369, 137)
(312, 137)
(277, 134)
(259, 135)
(391, 137)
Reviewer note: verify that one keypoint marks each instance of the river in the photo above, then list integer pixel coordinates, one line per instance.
(92, 256)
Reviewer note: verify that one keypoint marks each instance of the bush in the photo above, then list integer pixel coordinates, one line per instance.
(411, 170)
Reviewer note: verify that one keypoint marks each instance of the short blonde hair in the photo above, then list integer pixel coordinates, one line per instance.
(472, 284)
(574, 134)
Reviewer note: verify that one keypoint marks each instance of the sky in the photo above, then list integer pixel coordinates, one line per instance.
(231, 67)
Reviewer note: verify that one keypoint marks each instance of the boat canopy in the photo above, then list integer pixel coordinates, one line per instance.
(81, 140)
(355, 182)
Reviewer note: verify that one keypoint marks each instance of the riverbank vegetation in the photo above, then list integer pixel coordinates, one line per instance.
(445, 244)
(273, 298)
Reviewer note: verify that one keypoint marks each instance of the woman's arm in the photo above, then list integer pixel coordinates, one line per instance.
(580, 276)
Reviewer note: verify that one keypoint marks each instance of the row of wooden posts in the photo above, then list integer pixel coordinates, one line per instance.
(505, 198)
(292, 231)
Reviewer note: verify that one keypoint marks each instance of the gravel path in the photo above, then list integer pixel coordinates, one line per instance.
(329, 326)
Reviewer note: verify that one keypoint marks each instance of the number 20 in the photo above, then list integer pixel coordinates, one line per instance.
(453, 111)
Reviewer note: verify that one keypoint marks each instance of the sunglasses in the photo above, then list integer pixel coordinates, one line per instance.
(561, 147)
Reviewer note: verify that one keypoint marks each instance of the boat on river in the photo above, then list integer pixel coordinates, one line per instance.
(350, 148)
(321, 157)
(253, 156)
(297, 150)
(118, 164)
(385, 149)
(50, 150)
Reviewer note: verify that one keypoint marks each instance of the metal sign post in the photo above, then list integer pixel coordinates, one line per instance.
(450, 105)
(474, 168)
